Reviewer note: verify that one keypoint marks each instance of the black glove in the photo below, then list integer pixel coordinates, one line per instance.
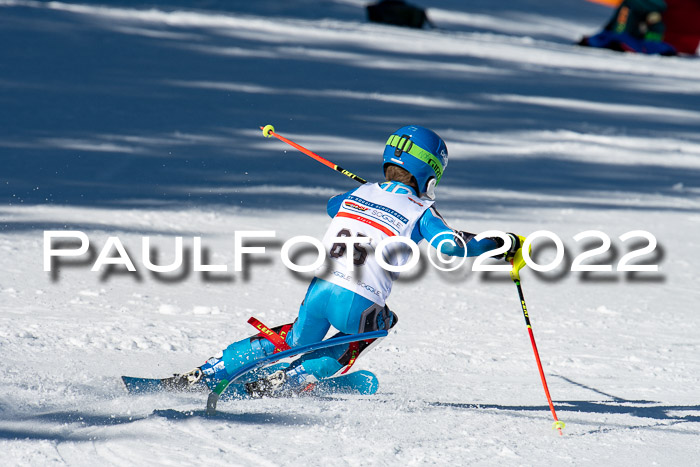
(516, 242)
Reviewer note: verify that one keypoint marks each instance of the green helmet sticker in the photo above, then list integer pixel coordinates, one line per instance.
(429, 158)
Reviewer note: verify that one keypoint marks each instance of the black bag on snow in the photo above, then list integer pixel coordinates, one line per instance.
(398, 13)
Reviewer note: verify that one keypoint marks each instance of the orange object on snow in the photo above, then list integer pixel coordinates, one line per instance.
(610, 3)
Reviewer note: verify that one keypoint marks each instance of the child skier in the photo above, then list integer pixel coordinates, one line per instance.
(352, 297)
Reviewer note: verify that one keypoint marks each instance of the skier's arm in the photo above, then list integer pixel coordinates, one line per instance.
(433, 227)
(334, 203)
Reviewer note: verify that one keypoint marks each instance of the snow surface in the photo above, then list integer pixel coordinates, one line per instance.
(140, 119)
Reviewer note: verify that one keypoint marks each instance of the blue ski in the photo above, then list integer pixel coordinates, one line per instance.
(357, 382)
(294, 352)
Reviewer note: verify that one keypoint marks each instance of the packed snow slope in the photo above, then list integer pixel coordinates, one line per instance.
(140, 119)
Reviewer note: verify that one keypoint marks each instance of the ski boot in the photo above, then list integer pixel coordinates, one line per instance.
(202, 378)
(190, 381)
(281, 383)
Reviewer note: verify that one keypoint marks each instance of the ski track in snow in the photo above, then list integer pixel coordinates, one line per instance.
(142, 121)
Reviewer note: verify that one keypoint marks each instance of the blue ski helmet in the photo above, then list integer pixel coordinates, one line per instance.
(421, 152)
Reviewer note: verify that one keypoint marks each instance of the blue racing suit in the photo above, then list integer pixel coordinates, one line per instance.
(327, 304)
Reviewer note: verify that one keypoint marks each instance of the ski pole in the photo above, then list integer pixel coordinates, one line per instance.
(269, 131)
(515, 275)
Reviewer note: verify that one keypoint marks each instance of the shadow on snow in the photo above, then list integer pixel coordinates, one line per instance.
(618, 406)
(165, 116)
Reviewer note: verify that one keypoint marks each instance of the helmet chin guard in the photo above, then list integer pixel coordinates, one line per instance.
(430, 190)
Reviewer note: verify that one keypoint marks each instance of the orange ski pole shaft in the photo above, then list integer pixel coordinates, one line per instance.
(557, 424)
(269, 131)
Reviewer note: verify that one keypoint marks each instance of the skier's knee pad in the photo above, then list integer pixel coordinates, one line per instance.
(253, 348)
(242, 352)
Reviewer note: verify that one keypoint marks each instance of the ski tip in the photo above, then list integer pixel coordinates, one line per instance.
(128, 383)
(372, 383)
(361, 382)
(268, 130)
(141, 385)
